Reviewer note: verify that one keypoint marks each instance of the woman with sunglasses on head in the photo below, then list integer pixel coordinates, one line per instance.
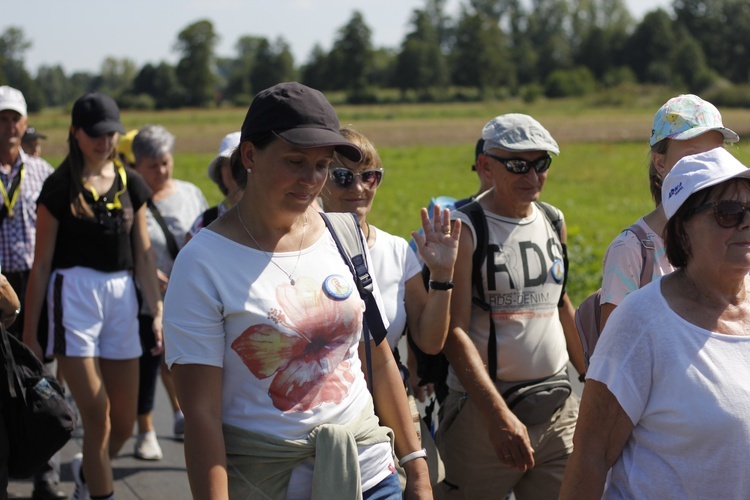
(91, 239)
(684, 125)
(664, 412)
(263, 327)
(351, 187)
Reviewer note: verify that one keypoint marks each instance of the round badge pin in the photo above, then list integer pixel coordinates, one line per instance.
(558, 270)
(336, 287)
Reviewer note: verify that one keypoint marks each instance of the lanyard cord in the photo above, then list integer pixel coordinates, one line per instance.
(115, 204)
(10, 199)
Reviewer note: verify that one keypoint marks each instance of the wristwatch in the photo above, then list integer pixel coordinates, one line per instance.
(440, 285)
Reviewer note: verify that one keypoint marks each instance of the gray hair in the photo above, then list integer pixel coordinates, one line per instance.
(152, 141)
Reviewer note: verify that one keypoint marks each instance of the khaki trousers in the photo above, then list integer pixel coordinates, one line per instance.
(473, 471)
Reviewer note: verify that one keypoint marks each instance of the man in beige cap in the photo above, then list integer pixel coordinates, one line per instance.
(508, 420)
(21, 179)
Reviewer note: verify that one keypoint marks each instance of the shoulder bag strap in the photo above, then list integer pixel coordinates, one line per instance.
(171, 242)
(345, 232)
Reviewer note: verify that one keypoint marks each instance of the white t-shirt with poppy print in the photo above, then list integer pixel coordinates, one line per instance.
(288, 352)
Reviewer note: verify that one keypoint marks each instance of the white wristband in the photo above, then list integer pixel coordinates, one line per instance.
(411, 456)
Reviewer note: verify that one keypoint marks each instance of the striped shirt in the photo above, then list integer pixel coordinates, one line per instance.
(18, 233)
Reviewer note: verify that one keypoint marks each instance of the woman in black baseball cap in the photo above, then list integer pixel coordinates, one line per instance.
(263, 330)
(91, 240)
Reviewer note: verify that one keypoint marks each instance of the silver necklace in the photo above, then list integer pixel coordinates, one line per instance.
(270, 257)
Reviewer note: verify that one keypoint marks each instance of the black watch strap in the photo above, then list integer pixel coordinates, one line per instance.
(441, 285)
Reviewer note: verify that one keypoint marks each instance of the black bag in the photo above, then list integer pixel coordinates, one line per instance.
(38, 420)
(535, 401)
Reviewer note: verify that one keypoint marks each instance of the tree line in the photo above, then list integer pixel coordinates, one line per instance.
(491, 49)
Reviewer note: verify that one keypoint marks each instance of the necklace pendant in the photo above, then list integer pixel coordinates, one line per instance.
(291, 281)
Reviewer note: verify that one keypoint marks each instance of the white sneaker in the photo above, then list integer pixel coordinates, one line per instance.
(82, 491)
(179, 425)
(147, 447)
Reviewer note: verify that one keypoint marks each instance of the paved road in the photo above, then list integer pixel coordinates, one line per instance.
(134, 479)
(165, 479)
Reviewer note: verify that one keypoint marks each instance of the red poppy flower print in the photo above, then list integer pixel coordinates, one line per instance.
(306, 350)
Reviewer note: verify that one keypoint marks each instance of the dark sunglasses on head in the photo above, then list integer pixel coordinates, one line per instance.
(728, 213)
(344, 178)
(521, 166)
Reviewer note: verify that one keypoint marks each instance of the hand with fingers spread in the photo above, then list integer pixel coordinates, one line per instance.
(438, 245)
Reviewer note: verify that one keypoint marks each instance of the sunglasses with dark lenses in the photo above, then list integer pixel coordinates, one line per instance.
(728, 213)
(344, 178)
(521, 166)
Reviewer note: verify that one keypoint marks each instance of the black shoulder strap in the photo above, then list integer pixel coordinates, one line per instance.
(476, 214)
(171, 242)
(554, 216)
(344, 229)
(210, 215)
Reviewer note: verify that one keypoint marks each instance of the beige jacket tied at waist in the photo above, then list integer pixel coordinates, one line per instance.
(259, 466)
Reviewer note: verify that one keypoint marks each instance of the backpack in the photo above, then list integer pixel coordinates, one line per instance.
(433, 368)
(344, 229)
(38, 420)
(588, 314)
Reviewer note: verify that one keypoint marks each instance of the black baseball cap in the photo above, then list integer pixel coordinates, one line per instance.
(97, 114)
(32, 133)
(300, 115)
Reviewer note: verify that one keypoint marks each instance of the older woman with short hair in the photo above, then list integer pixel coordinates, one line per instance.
(664, 410)
(175, 206)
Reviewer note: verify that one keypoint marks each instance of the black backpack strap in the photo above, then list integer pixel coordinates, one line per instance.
(345, 232)
(210, 215)
(171, 242)
(554, 216)
(647, 253)
(476, 214)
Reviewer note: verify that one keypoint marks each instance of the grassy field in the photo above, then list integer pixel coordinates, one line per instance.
(599, 180)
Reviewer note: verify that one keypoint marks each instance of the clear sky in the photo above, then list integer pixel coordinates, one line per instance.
(79, 34)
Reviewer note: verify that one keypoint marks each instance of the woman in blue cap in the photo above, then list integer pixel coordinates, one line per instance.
(91, 241)
(263, 329)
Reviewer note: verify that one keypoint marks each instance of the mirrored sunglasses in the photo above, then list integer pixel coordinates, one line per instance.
(728, 213)
(344, 178)
(521, 166)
